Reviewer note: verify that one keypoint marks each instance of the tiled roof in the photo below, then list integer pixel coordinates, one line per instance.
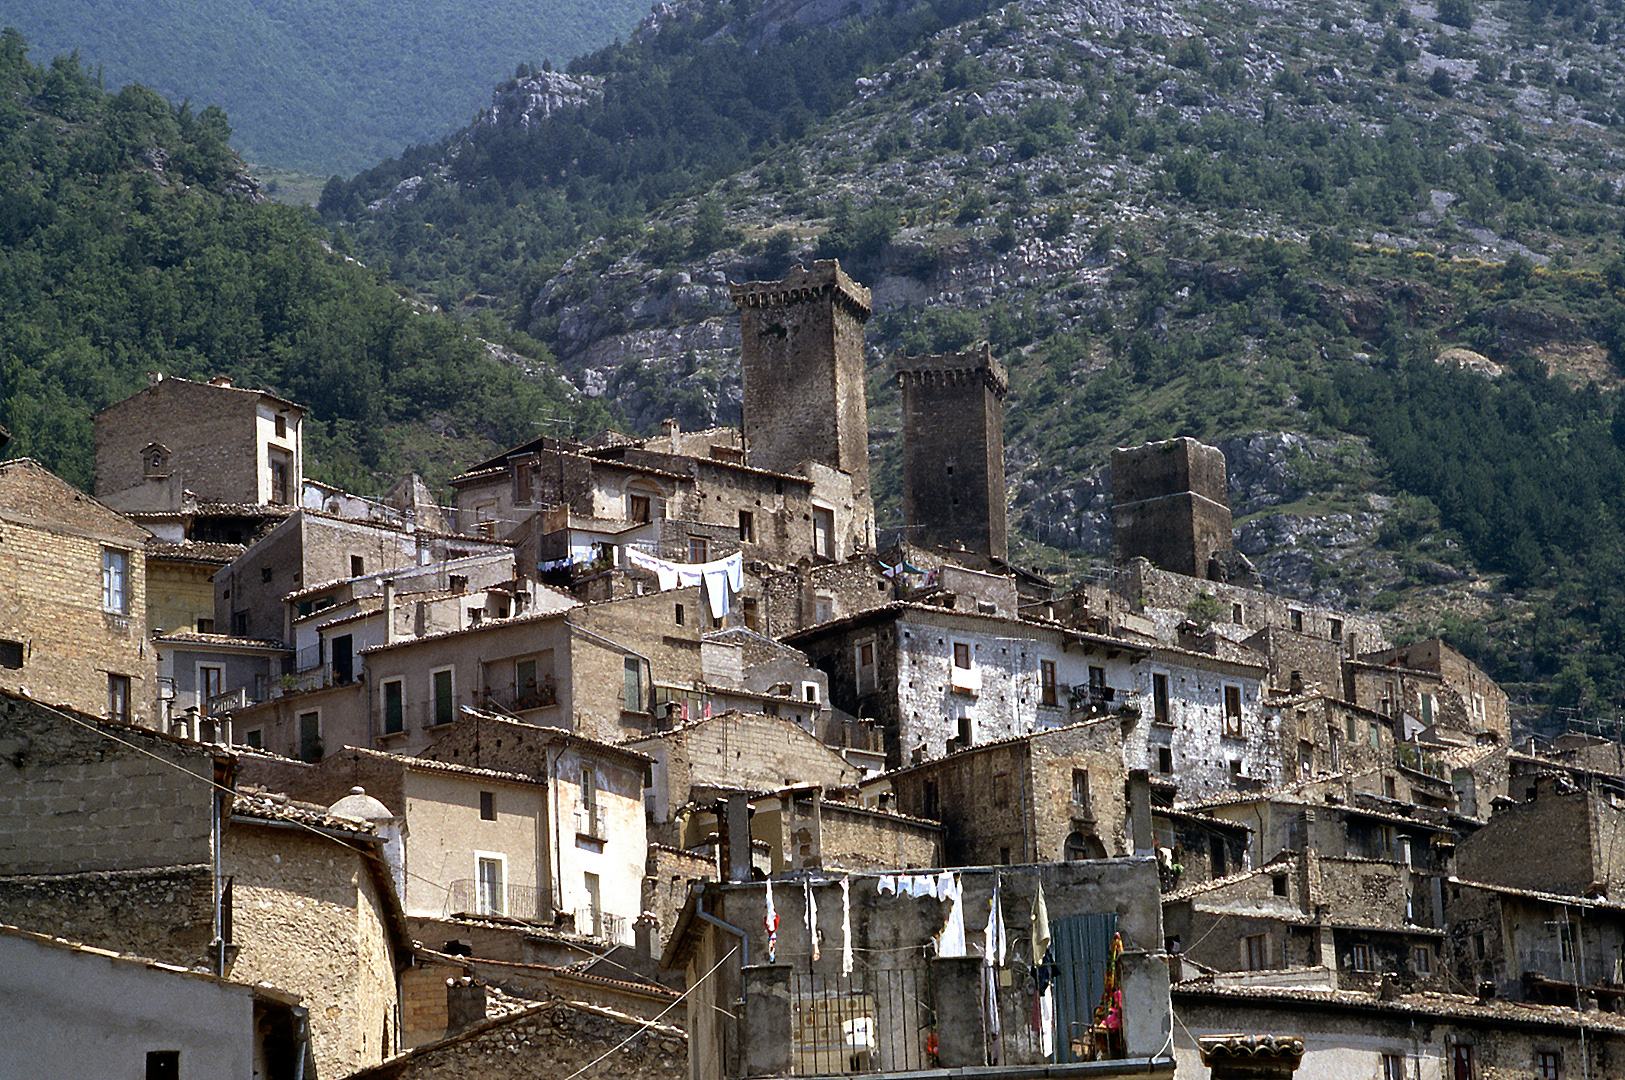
(194, 551)
(193, 637)
(1453, 1006)
(266, 806)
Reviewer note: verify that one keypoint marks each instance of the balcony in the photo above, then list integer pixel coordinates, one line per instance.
(463, 898)
(513, 701)
(602, 925)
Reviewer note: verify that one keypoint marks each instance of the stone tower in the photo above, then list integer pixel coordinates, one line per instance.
(801, 357)
(953, 450)
(1170, 505)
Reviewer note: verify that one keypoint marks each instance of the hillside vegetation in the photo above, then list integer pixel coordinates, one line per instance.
(317, 84)
(131, 241)
(1388, 230)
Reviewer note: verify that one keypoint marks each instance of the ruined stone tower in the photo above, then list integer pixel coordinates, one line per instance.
(953, 450)
(802, 365)
(1170, 505)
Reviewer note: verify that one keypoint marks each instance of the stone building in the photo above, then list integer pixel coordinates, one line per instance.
(132, 840)
(1557, 839)
(1198, 719)
(180, 584)
(936, 679)
(802, 369)
(1402, 1035)
(696, 763)
(179, 441)
(798, 828)
(208, 676)
(311, 548)
(1439, 694)
(1170, 505)
(1051, 796)
(953, 450)
(1534, 946)
(866, 977)
(594, 816)
(72, 1010)
(73, 606)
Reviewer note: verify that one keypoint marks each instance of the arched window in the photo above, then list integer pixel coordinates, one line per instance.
(1080, 847)
(155, 460)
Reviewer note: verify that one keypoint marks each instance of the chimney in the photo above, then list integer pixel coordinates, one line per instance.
(465, 1004)
(671, 428)
(646, 936)
(1139, 811)
(734, 838)
(154, 378)
(220, 380)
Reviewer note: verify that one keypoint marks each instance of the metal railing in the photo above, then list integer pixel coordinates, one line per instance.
(885, 1020)
(463, 898)
(512, 700)
(603, 925)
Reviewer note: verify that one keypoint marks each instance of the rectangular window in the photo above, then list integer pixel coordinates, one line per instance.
(394, 707)
(1235, 614)
(1336, 632)
(1046, 682)
(1218, 858)
(747, 526)
(866, 667)
(1461, 1055)
(595, 912)
(589, 799)
(1080, 789)
(1393, 1067)
(281, 465)
(1478, 946)
(1297, 621)
(929, 799)
(281, 426)
(637, 507)
(961, 655)
(209, 678)
(118, 698)
(163, 1064)
(1257, 951)
(1165, 759)
(116, 581)
(254, 737)
(1548, 1065)
(677, 614)
(310, 736)
(488, 806)
(699, 549)
(205, 626)
(1422, 959)
(632, 685)
(1364, 959)
(1232, 711)
(747, 608)
(358, 566)
(1097, 680)
(823, 532)
(445, 698)
(1159, 698)
(492, 897)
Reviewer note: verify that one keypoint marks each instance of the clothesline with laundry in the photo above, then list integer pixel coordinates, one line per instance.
(719, 577)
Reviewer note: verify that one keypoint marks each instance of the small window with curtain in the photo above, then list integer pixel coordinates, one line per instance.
(632, 691)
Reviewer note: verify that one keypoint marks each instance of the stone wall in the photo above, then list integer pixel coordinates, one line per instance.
(1170, 505)
(802, 368)
(1545, 843)
(62, 641)
(164, 914)
(668, 872)
(953, 450)
(308, 917)
(213, 436)
(86, 794)
(547, 1042)
(803, 596)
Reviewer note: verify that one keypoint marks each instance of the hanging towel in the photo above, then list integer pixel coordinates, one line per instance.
(846, 926)
(735, 566)
(812, 917)
(993, 945)
(1044, 1005)
(1040, 925)
(951, 938)
(770, 922)
(994, 941)
(887, 883)
(716, 592)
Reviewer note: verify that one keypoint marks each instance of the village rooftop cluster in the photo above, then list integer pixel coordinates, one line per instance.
(653, 757)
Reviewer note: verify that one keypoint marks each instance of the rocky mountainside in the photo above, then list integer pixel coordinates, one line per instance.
(1249, 223)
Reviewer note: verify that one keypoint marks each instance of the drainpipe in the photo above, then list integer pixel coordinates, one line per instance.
(699, 909)
(219, 901)
(389, 611)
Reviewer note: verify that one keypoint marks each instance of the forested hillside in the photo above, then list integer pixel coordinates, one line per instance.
(1388, 232)
(317, 84)
(130, 241)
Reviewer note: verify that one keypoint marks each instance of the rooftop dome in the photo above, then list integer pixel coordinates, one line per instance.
(359, 806)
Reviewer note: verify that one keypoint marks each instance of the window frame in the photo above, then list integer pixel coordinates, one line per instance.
(747, 527)
(1047, 695)
(488, 806)
(632, 696)
(1362, 957)
(1162, 706)
(1232, 710)
(116, 581)
(450, 672)
(398, 685)
(1257, 950)
(1548, 1065)
(308, 750)
(119, 693)
(482, 894)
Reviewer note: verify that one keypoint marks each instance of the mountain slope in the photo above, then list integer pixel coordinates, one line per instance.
(1388, 230)
(131, 241)
(317, 84)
